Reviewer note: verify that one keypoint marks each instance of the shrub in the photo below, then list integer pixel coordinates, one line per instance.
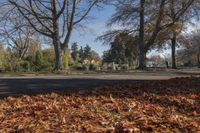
(86, 67)
(112, 66)
(38, 58)
(16, 66)
(78, 66)
(66, 61)
(46, 66)
(125, 67)
(92, 67)
(25, 66)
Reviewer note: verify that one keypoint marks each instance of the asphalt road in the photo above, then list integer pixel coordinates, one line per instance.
(33, 85)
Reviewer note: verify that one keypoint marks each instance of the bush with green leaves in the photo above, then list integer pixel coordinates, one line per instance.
(25, 66)
(78, 67)
(39, 59)
(86, 67)
(66, 60)
(93, 67)
(125, 67)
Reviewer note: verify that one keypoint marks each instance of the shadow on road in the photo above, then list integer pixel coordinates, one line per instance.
(34, 86)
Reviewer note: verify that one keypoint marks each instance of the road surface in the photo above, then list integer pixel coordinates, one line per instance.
(33, 85)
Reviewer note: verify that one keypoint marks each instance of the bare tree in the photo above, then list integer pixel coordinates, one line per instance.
(174, 34)
(15, 31)
(145, 19)
(192, 51)
(191, 8)
(55, 19)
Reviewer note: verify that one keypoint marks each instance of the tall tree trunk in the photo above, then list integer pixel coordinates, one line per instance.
(142, 54)
(58, 55)
(145, 46)
(173, 48)
(56, 39)
(142, 60)
(198, 58)
(198, 61)
(57, 48)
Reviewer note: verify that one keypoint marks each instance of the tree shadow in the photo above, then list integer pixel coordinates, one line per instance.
(155, 91)
(34, 86)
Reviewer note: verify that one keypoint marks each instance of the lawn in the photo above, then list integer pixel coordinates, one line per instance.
(154, 106)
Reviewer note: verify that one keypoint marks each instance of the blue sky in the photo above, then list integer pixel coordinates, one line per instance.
(95, 27)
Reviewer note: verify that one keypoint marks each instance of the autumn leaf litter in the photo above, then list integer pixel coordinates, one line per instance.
(156, 106)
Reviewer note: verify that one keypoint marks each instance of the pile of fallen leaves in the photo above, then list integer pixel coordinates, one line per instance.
(156, 106)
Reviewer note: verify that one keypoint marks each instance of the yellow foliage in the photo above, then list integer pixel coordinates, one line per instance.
(66, 59)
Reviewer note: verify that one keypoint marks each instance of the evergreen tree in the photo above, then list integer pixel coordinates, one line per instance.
(107, 56)
(120, 51)
(87, 52)
(81, 54)
(75, 52)
(39, 60)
